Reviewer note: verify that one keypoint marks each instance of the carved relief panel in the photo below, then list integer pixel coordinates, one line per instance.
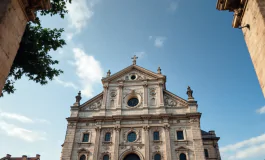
(152, 96)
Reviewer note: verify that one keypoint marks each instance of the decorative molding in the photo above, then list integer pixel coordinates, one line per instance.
(138, 135)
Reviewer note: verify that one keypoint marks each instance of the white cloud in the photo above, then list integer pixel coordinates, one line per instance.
(173, 6)
(69, 36)
(65, 84)
(251, 148)
(79, 13)
(261, 110)
(159, 41)
(21, 133)
(14, 116)
(140, 54)
(44, 121)
(89, 71)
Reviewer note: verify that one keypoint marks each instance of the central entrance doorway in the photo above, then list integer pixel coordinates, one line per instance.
(132, 157)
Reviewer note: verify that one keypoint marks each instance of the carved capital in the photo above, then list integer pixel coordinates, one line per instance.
(117, 128)
(98, 129)
(146, 128)
(167, 127)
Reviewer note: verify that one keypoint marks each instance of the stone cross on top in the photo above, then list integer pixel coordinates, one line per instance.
(134, 59)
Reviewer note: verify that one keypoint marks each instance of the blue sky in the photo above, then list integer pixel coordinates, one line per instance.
(192, 42)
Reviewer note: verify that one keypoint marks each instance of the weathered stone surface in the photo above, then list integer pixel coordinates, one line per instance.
(13, 20)
(250, 14)
(158, 110)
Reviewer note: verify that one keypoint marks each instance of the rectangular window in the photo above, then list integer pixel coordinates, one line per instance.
(85, 137)
(156, 136)
(180, 135)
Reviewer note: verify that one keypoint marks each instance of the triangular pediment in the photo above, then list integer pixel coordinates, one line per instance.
(127, 73)
(93, 104)
(181, 148)
(172, 100)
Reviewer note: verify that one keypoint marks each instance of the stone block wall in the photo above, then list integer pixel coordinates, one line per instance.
(254, 15)
(12, 26)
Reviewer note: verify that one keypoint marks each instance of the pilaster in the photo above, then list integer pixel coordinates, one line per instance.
(117, 141)
(161, 95)
(118, 109)
(145, 94)
(97, 145)
(197, 138)
(69, 141)
(147, 142)
(104, 100)
(167, 140)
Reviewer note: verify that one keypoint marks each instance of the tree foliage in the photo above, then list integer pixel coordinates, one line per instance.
(33, 59)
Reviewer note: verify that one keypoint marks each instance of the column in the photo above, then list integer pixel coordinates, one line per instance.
(96, 145)
(167, 138)
(117, 142)
(147, 143)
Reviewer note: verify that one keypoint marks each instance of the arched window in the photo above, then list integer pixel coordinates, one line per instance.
(131, 137)
(107, 137)
(156, 135)
(106, 157)
(206, 153)
(157, 157)
(83, 157)
(182, 156)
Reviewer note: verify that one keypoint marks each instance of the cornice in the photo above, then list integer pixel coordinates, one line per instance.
(127, 69)
(236, 6)
(134, 117)
(29, 7)
(91, 100)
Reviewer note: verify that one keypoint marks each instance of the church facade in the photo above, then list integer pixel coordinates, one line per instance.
(137, 118)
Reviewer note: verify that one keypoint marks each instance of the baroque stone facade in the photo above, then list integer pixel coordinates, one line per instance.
(14, 15)
(249, 15)
(137, 118)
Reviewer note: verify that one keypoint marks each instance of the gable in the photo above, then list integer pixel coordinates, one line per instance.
(172, 100)
(139, 72)
(93, 104)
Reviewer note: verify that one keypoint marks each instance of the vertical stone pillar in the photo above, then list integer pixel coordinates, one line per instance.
(104, 101)
(96, 145)
(14, 15)
(119, 99)
(197, 138)
(69, 141)
(161, 95)
(117, 142)
(167, 139)
(147, 142)
(145, 94)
